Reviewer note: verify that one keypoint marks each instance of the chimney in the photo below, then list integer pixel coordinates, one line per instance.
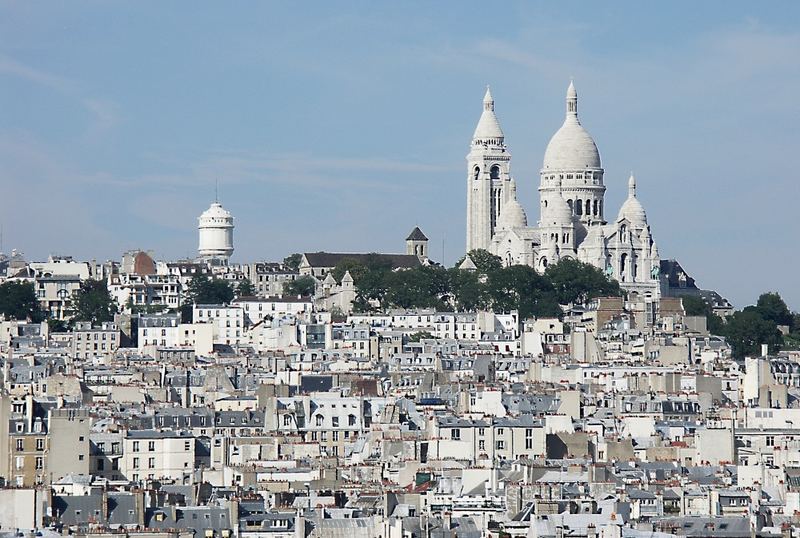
(29, 411)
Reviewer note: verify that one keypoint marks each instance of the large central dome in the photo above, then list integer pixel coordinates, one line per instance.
(571, 148)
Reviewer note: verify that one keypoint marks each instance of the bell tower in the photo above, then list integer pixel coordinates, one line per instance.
(488, 174)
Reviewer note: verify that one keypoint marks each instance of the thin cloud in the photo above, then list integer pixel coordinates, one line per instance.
(102, 111)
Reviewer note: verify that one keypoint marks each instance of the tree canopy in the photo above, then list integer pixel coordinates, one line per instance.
(304, 285)
(18, 301)
(518, 287)
(694, 305)
(245, 288)
(485, 261)
(205, 290)
(772, 307)
(292, 261)
(578, 282)
(747, 330)
(94, 303)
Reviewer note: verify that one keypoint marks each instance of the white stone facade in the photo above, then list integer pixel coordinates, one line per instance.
(572, 221)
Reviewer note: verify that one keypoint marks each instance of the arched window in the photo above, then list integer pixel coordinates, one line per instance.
(476, 174)
(320, 419)
(494, 172)
(595, 208)
(543, 263)
(588, 207)
(623, 260)
(579, 207)
(601, 208)
(569, 203)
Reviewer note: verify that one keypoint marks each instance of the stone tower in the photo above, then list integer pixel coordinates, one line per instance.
(417, 244)
(215, 228)
(488, 164)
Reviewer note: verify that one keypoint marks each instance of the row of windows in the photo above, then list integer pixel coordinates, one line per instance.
(151, 446)
(580, 175)
(323, 436)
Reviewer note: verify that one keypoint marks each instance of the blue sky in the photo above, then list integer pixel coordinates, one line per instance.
(340, 126)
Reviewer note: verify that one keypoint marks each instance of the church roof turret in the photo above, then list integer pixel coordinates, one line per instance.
(632, 209)
(488, 129)
(468, 264)
(416, 235)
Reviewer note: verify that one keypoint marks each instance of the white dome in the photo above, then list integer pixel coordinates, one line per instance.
(571, 148)
(512, 216)
(488, 127)
(216, 211)
(632, 209)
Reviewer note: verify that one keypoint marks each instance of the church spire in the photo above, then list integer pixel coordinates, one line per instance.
(572, 101)
(631, 186)
(488, 100)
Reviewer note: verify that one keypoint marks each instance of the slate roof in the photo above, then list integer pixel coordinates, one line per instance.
(416, 235)
(332, 259)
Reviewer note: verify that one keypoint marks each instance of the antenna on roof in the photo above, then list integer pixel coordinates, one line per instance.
(216, 190)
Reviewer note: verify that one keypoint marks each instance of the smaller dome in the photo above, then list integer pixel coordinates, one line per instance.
(512, 216)
(559, 210)
(632, 209)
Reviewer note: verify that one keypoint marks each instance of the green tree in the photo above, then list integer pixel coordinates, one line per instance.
(694, 305)
(94, 303)
(747, 330)
(245, 288)
(304, 286)
(205, 290)
(420, 287)
(772, 307)
(57, 325)
(18, 301)
(293, 261)
(422, 335)
(355, 267)
(521, 288)
(469, 290)
(485, 261)
(576, 282)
